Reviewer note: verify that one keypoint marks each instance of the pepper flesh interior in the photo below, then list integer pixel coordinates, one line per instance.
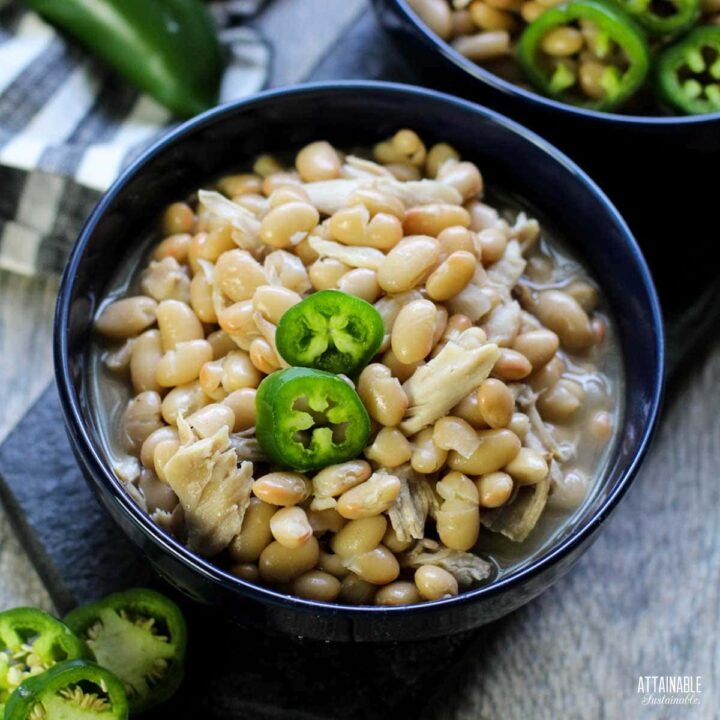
(320, 422)
(330, 330)
(563, 71)
(131, 648)
(700, 75)
(325, 335)
(78, 700)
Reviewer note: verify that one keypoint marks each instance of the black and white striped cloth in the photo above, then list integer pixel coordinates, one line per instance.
(68, 126)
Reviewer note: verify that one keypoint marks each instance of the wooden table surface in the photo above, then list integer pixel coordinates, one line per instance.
(644, 600)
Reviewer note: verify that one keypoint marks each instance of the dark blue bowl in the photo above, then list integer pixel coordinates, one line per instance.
(656, 169)
(511, 158)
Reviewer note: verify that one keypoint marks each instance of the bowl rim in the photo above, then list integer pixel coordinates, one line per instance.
(483, 75)
(91, 455)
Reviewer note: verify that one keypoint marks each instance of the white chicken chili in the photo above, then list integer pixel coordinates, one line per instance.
(357, 379)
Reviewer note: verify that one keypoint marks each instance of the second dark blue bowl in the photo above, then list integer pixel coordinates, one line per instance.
(351, 114)
(658, 170)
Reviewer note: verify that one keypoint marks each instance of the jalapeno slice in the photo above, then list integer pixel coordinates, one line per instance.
(309, 419)
(604, 66)
(688, 73)
(70, 690)
(31, 641)
(663, 17)
(330, 330)
(141, 637)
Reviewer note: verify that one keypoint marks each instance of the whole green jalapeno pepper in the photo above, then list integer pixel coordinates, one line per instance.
(330, 330)
(70, 690)
(620, 49)
(141, 637)
(168, 48)
(688, 73)
(31, 641)
(309, 419)
(677, 15)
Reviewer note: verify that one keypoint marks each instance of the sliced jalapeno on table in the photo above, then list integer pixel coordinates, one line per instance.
(667, 18)
(688, 73)
(140, 636)
(606, 63)
(330, 330)
(309, 419)
(70, 690)
(31, 641)
(168, 48)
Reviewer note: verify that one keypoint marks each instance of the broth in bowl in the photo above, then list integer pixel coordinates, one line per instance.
(358, 379)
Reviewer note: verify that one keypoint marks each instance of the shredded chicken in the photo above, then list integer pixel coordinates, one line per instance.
(287, 270)
(526, 231)
(118, 360)
(212, 490)
(172, 522)
(518, 518)
(526, 400)
(356, 256)
(268, 330)
(357, 168)
(136, 495)
(503, 323)
(166, 280)
(128, 469)
(472, 301)
(220, 302)
(246, 227)
(442, 383)
(466, 567)
(410, 510)
(329, 196)
(506, 272)
(246, 446)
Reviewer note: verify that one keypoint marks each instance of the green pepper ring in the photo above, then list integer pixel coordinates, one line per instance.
(656, 25)
(278, 421)
(330, 330)
(619, 26)
(63, 674)
(667, 84)
(52, 634)
(147, 603)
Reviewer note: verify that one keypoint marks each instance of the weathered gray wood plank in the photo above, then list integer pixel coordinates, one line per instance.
(26, 308)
